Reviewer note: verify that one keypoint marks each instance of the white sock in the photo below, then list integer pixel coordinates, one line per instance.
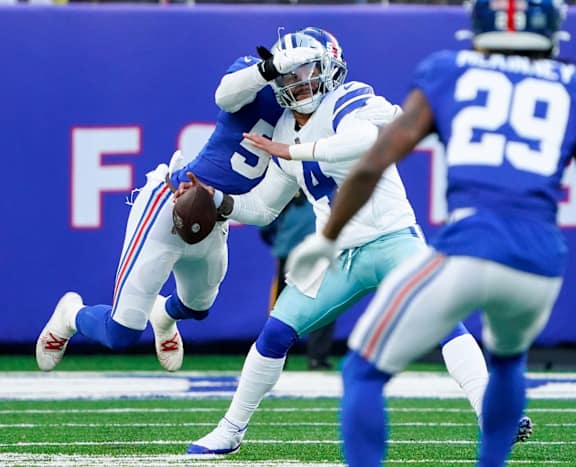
(465, 363)
(259, 375)
(70, 321)
(163, 320)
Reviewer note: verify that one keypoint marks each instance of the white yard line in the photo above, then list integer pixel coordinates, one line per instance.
(464, 442)
(47, 460)
(129, 410)
(137, 461)
(86, 385)
(252, 424)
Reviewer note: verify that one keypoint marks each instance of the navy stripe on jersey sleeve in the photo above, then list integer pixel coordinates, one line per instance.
(351, 95)
(350, 101)
(347, 109)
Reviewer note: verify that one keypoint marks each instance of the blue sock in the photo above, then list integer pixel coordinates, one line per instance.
(363, 412)
(96, 323)
(275, 339)
(502, 408)
(177, 310)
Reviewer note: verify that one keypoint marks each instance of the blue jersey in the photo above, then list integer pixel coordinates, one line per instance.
(508, 125)
(228, 162)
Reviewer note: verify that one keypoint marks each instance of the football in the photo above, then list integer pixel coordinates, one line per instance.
(194, 215)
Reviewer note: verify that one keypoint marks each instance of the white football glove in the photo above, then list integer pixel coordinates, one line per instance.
(286, 61)
(309, 260)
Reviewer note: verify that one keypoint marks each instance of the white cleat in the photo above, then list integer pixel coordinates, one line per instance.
(225, 439)
(167, 338)
(54, 338)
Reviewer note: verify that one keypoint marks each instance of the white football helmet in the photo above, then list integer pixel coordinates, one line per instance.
(303, 89)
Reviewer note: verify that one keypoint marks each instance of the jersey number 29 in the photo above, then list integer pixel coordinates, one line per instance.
(537, 138)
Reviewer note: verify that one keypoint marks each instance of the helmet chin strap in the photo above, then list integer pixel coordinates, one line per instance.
(309, 105)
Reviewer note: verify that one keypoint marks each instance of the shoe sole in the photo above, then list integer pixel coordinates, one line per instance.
(212, 455)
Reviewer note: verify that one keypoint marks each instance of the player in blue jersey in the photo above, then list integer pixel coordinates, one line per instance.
(506, 114)
(326, 127)
(151, 252)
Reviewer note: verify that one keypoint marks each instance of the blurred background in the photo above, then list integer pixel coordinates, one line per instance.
(94, 94)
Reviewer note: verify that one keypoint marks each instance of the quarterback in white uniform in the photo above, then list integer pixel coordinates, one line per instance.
(333, 156)
(326, 127)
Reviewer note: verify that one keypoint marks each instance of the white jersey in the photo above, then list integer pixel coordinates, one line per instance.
(388, 210)
(339, 114)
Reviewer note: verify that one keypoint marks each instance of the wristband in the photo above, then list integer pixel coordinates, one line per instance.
(302, 152)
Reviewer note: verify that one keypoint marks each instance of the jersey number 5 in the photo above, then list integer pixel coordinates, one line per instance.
(535, 110)
(250, 161)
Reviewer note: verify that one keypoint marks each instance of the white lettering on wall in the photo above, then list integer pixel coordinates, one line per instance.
(193, 137)
(91, 176)
(438, 211)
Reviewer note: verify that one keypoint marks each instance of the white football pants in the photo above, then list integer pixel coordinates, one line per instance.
(151, 252)
(422, 300)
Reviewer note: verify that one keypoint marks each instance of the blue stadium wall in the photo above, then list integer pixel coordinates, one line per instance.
(92, 97)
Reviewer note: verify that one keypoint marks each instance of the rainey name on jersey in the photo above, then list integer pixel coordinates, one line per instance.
(544, 69)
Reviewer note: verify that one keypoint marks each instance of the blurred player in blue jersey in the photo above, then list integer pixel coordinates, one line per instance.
(326, 127)
(151, 252)
(506, 114)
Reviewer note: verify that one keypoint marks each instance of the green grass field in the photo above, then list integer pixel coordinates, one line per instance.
(146, 432)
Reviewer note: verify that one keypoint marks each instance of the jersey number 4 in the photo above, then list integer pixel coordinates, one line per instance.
(317, 183)
(535, 110)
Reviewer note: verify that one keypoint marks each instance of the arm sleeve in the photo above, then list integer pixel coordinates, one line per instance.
(239, 88)
(355, 134)
(353, 138)
(265, 201)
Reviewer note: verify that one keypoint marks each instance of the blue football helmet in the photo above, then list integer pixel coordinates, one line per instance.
(311, 81)
(529, 25)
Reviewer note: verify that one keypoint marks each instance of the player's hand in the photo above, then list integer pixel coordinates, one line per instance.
(183, 186)
(284, 61)
(287, 61)
(309, 259)
(273, 148)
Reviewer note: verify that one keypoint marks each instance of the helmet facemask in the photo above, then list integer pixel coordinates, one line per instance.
(303, 89)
